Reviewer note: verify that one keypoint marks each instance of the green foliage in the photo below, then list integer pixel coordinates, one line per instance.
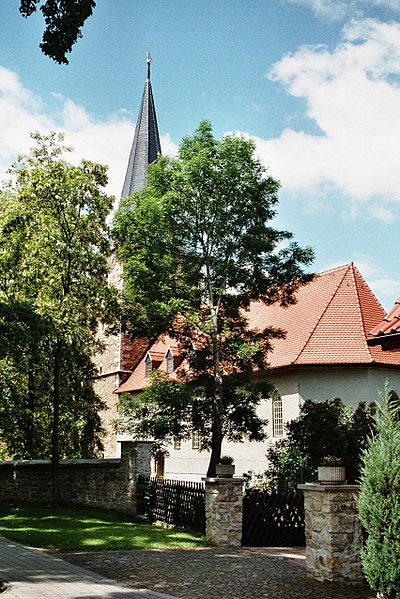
(197, 247)
(168, 409)
(64, 20)
(287, 467)
(226, 460)
(322, 429)
(162, 411)
(53, 266)
(379, 501)
(332, 460)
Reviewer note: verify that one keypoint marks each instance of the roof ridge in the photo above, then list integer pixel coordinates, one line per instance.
(355, 270)
(323, 311)
(334, 268)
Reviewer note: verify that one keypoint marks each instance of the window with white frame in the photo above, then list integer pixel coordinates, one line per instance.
(148, 366)
(169, 358)
(277, 415)
(195, 440)
(177, 443)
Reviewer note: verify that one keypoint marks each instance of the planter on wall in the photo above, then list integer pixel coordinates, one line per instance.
(225, 470)
(332, 475)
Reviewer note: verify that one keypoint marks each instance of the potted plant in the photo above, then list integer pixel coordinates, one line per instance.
(332, 471)
(225, 467)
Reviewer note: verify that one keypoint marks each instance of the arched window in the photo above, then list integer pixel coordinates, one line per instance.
(195, 440)
(277, 415)
(148, 366)
(169, 358)
(394, 401)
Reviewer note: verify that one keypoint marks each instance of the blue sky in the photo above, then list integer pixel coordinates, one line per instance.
(314, 82)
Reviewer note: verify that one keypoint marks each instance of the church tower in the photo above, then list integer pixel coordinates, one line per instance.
(120, 355)
(146, 146)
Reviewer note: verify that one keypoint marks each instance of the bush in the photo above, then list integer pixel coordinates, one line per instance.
(322, 429)
(379, 501)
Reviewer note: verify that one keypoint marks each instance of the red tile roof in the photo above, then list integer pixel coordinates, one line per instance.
(391, 323)
(329, 324)
(137, 380)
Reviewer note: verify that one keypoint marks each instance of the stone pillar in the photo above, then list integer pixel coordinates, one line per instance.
(224, 507)
(135, 462)
(333, 532)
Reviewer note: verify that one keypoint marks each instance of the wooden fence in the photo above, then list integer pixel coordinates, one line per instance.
(175, 502)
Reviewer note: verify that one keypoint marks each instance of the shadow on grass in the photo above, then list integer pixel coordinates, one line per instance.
(85, 529)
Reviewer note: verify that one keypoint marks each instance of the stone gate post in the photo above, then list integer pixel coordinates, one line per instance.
(224, 507)
(135, 462)
(333, 532)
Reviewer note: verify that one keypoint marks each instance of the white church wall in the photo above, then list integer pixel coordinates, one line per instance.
(352, 385)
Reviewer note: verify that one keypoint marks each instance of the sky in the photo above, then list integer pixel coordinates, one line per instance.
(315, 84)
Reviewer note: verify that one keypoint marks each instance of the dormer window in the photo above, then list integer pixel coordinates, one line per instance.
(169, 359)
(148, 366)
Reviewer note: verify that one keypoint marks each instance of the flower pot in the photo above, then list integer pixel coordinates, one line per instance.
(332, 475)
(225, 470)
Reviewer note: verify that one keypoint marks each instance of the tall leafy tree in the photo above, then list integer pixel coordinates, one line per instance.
(54, 240)
(198, 245)
(64, 20)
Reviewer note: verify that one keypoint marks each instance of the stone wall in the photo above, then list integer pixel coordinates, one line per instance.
(333, 532)
(109, 484)
(224, 508)
(105, 386)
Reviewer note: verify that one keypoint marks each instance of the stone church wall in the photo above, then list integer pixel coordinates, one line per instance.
(109, 484)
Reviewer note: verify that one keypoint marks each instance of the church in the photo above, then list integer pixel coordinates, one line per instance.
(327, 351)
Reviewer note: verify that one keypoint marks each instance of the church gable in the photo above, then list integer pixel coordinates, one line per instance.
(329, 324)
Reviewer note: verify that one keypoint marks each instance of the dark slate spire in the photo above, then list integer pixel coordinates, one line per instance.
(146, 146)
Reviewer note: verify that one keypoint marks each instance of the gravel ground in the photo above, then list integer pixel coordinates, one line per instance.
(214, 573)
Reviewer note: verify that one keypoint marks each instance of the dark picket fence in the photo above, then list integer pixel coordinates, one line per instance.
(175, 502)
(273, 519)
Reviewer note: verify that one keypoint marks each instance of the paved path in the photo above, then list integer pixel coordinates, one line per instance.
(203, 573)
(33, 574)
(219, 573)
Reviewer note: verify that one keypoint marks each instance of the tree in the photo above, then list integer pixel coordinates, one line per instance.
(379, 501)
(197, 247)
(53, 263)
(326, 428)
(24, 413)
(64, 21)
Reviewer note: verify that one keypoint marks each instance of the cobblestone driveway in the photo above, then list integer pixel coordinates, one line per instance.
(212, 573)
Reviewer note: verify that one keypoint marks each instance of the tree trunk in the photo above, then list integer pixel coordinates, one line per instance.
(55, 453)
(216, 438)
(29, 444)
(218, 409)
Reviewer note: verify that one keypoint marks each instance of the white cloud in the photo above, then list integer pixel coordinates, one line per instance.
(107, 142)
(339, 9)
(353, 96)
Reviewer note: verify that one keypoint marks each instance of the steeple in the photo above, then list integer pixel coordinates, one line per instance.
(146, 146)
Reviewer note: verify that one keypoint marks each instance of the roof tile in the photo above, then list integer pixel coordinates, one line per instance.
(328, 324)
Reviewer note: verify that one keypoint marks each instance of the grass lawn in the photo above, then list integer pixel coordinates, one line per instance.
(86, 529)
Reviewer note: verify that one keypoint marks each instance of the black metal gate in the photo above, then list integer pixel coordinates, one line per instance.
(273, 519)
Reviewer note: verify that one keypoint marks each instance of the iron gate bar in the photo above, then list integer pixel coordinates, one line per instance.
(273, 519)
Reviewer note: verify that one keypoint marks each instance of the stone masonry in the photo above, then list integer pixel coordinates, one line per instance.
(224, 507)
(333, 532)
(109, 484)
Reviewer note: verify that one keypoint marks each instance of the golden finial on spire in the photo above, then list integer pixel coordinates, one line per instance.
(148, 62)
